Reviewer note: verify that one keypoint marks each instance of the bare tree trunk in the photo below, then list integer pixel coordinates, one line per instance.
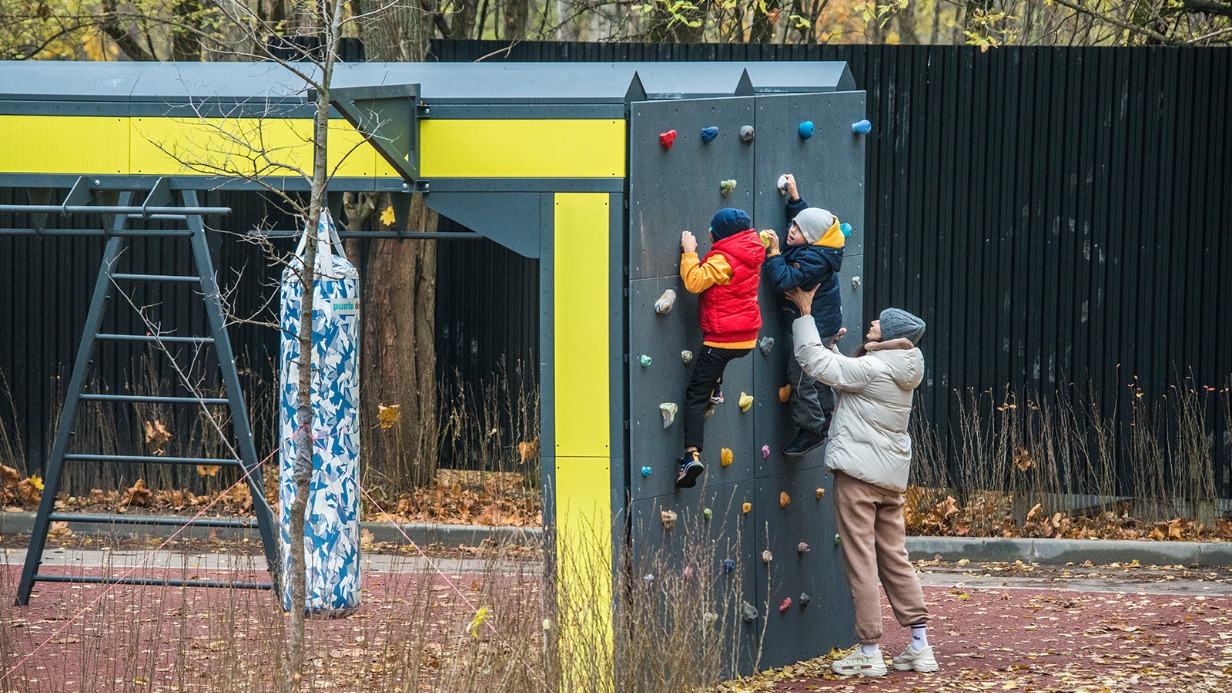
(398, 341)
(516, 14)
(398, 362)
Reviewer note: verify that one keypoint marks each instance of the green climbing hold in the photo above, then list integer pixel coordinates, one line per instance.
(727, 186)
(645, 360)
(707, 513)
(838, 541)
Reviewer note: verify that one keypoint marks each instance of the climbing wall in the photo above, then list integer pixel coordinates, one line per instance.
(770, 516)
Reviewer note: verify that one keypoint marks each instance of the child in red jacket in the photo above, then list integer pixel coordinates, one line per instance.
(727, 280)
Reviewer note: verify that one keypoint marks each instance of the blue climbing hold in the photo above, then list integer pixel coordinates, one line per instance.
(845, 228)
(708, 134)
(728, 565)
(806, 129)
(645, 471)
(863, 127)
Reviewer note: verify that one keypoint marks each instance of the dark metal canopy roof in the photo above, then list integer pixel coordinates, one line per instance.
(143, 88)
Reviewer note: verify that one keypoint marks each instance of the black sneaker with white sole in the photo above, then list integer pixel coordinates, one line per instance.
(690, 468)
(804, 442)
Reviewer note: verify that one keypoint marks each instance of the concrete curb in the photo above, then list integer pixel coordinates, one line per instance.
(1077, 551)
(1045, 551)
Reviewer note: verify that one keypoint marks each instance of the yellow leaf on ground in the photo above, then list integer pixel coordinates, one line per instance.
(207, 469)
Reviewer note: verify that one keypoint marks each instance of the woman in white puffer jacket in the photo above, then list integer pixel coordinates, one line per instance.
(869, 452)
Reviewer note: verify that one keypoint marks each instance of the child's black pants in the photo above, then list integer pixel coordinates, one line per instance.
(707, 379)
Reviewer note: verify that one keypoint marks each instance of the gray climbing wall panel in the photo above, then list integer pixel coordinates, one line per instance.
(678, 188)
(703, 546)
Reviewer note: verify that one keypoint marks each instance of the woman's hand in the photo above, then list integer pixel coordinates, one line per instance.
(803, 299)
(688, 243)
(842, 332)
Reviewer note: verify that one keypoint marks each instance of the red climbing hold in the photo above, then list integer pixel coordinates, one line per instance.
(666, 139)
(785, 605)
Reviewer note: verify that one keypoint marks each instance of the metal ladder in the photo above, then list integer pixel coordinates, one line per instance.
(158, 205)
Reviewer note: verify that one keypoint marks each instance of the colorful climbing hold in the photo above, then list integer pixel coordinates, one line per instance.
(645, 471)
(784, 499)
(806, 129)
(845, 228)
(663, 306)
(667, 139)
(688, 572)
(644, 360)
(707, 513)
(727, 186)
(838, 541)
(821, 493)
(728, 565)
(804, 599)
(746, 402)
(766, 557)
(862, 127)
(765, 345)
(648, 577)
(785, 393)
(766, 238)
(725, 456)
(746, 507)
(668, 517)
(782, 184)
(802, 548)
(765, 452)
(708, 134)
(785, 605)
(686, 356)
(747, 134)
(668, 410)
(709, 618)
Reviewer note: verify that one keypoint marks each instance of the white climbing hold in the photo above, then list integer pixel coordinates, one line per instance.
(663, 306)
(686, 356)
(668, 410)
(668, 517)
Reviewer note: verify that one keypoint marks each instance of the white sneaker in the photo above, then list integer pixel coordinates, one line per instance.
(857, 664)
(922, 661)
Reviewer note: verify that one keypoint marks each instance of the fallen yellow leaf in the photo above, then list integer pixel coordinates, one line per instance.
(387, 216)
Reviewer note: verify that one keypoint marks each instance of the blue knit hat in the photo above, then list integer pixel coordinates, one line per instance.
(728, 222)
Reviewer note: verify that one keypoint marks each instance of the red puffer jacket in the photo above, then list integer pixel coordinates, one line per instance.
(729, 312)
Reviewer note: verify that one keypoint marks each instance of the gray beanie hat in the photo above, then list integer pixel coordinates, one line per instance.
(897, 323)
(813, 223)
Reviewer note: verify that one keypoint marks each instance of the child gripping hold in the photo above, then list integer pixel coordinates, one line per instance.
(726, 280)
(812, 260)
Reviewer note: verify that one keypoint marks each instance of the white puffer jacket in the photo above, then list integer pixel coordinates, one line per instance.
(868, 436)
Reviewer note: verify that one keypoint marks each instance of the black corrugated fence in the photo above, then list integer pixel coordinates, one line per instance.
(1060, 217)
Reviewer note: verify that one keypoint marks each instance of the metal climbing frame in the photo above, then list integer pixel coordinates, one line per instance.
(161, 204)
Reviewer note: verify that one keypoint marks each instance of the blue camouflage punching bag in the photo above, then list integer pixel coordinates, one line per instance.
(331, 524)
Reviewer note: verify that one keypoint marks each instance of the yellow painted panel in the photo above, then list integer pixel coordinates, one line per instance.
(584, 573)
(580, 292)
(244, 147)
(63, 144)
(522, 148)
(179, 146)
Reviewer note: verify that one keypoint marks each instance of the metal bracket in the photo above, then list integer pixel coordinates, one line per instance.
(79, 196)
(388, 117)
(160, 196)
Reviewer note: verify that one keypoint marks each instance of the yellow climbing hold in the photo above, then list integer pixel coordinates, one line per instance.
(746, 401)
(785, 393)
(765, 237)
(725, 456)
(746, 507)
(821, 493)
(784, 499)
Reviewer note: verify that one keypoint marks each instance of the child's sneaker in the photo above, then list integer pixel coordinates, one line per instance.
(716, 397)
(804, 442)
(910, 660)
(856, 664)
(690, 468)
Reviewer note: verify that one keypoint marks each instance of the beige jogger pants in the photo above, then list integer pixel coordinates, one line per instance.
(870, 522)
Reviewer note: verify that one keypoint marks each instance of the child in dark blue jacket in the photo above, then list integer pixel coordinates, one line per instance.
(813, 257)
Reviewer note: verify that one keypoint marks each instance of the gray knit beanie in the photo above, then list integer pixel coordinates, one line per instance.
(897, 323)
(813, 223)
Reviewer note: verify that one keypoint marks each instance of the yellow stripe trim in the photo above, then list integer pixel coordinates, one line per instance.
(179, 146)
(522, 148)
